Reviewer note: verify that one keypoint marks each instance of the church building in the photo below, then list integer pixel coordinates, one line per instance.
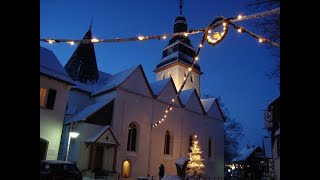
(114, 114)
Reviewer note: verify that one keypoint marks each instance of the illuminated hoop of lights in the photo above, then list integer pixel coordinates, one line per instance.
(214, 41)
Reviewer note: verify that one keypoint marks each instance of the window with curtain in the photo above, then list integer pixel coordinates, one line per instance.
(47, 98)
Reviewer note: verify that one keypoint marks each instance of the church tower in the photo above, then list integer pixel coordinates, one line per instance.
(177, 57)
(82, 65)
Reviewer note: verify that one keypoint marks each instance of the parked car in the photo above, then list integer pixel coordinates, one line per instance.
(59, 170)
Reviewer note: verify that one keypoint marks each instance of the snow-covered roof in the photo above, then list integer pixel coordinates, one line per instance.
(106, 81)
(114, 80)
(97, 134)
(207, 103)
(180, 161)
(277, 132)
(157, 86)
(185, 95)
(245, 153)
(103, 76)
(91, 86)
(56, 162)
(50, 65)
(71, 109)
(87, 111)
(267, 146)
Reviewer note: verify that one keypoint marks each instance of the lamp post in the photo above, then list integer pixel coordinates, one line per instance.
(71, 135)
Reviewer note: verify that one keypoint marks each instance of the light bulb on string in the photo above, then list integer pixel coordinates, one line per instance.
(94, 40)
(51, 41)
(140, 38)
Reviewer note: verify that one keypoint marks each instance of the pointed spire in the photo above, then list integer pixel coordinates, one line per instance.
(82, 65)
(91, 23)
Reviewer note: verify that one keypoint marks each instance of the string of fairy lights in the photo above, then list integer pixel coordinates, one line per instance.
(164, 36)
(210, 36)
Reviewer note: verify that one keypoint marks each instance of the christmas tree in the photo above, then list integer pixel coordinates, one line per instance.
(195, 163)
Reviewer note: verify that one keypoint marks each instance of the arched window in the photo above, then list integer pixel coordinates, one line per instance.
(169, 74)
(190, 143)
(192, 78)
(126, 169)
(185, 74)
(209, 148)
(132, 137)
(163, 76)
(167, 143)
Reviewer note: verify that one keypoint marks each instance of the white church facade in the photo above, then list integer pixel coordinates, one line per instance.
(114, 115)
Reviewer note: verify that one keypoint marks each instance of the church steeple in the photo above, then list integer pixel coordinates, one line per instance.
(178, 56)
(82, 65)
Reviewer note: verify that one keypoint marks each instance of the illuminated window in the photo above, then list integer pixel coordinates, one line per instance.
(132, 137)
(190, 143)
(47, 98)
(126, 169)
(43, 97)
(209, 148)
(167, 143)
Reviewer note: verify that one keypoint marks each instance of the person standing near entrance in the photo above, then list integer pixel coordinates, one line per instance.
(161, 171)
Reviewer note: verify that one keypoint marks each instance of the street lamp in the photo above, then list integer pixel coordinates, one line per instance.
(71, 135)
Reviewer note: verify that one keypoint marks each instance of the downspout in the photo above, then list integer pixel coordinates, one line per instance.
(180, 134)
(150, 137)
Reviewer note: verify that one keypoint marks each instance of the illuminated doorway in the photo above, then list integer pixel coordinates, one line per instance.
(126, 169)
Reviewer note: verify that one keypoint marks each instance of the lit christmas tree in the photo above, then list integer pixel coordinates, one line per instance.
(195, 163)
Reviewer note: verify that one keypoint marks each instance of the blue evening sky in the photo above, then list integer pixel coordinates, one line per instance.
(235, 69)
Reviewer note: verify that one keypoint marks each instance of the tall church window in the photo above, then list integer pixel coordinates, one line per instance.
(185, 74)
(190, 143)
(209, 148)
(167, 143)
(47, 98)
(132, 137)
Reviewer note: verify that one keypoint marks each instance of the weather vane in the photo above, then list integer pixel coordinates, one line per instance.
(180, 7)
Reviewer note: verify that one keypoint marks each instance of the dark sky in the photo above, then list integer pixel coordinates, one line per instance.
(235, 69)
